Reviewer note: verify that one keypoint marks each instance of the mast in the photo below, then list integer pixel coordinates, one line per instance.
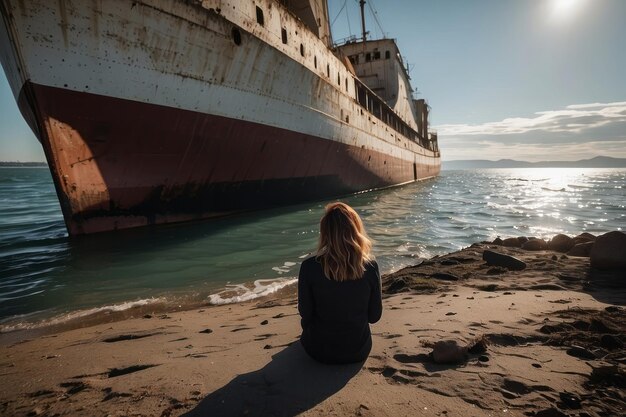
(362, 4)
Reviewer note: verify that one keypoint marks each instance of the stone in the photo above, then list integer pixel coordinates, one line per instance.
(580, 352)
(609, 251)
(506, 261)
(497, 241)
(535, 244)
(561, 243)
(448, 351)
(522, 239)
(581, 249)
(569, 400)
(584, 237)
(610, 342)
(550, 412)
(512, 242)
(445, 276)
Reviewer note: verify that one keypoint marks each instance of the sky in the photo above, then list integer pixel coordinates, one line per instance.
(523, 79)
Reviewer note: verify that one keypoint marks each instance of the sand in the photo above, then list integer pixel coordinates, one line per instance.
(553, 332)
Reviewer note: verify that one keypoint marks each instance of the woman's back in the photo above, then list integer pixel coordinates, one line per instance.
(336, 312)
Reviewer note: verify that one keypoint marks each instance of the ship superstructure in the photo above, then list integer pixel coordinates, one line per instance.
(159, 111)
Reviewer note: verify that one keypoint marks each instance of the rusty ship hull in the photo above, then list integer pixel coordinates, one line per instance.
(161, 111)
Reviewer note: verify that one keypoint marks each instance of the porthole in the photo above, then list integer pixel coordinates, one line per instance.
(236, 36)
(260, 19)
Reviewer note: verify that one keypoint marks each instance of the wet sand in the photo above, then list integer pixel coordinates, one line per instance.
(554, 335)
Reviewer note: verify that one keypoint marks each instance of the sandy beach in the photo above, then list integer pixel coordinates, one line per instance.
(551, 343)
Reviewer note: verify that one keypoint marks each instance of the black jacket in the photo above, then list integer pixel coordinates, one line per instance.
(336, 315)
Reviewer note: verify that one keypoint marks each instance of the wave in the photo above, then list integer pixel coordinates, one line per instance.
(237, 293)
(75, 315)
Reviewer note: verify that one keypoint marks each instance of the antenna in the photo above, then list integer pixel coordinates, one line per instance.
(362, 4)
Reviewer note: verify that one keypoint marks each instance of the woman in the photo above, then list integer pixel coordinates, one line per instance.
(339, 291)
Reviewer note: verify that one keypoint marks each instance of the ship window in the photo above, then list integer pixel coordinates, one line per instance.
(368, 57)
(376, 54)
(315, 61)
(283, 33)
(259, 16)
(387, 54)
(338, 79)
(236, 36)
(328, 70)
(347, 84)
(301, 49)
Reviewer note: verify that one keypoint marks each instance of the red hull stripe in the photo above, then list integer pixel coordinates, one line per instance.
(120, 163)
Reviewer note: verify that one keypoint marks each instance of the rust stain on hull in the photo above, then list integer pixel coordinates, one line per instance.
(116, 172)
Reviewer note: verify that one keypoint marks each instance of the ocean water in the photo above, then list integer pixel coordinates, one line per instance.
(47, 277)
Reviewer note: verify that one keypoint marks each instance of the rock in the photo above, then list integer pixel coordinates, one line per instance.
(555, 328)
(264, 322)
(522, 239)
(584, 237)
(206, 331)
(449, 351)
(496, 270)
(445, 276)
(600, 326)
(449, 262)
(610, 342)
(550, 412)
(397, 285)
(561, 243)
(497, 241)
(609, 251)
(506, 261)
(581, 249)
(580, 352)
(483, 358)
(569, 400)
(512, 242)
(535, 244)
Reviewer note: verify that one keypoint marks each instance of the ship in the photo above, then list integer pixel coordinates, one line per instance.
(161, 111)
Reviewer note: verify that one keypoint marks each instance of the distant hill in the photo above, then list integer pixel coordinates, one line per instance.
(22, 164)
(597, 162)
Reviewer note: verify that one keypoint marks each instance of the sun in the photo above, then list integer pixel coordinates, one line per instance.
(565, 9)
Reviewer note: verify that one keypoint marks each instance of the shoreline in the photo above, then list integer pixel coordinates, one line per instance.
(212, 357)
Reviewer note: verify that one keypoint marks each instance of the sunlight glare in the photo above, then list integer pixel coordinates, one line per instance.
(565, 9)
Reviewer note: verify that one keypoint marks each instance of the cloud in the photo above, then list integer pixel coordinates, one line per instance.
(484, 149)
(574, 118)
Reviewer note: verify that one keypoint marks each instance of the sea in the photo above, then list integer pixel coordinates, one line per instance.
(48, 278)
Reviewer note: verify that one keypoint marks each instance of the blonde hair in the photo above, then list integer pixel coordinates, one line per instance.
(343, 247)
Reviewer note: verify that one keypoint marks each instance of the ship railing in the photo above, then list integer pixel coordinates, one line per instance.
(345, 41)
(376, 106)
(433, 141)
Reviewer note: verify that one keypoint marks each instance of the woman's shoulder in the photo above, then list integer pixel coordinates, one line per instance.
(371, 264)
(311, 262)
